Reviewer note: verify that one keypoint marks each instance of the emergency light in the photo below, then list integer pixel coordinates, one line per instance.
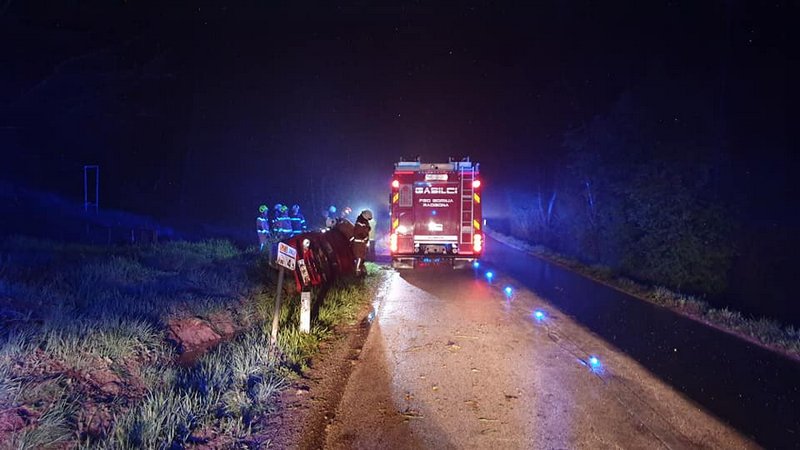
(476, 184)
(395, 184)
(594, 364)
(393, 242)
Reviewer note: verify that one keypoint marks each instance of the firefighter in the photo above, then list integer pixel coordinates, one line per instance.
(298, 220)
(284, 222)
(262, 227)
(330, 217)
(273, 219)
(360, 240)
(346, 213)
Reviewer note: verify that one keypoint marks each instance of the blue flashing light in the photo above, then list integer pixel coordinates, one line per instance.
(476, 264)
(539, 315)
(489, 275)
(594, 363)
(508, 290)
(433, 213)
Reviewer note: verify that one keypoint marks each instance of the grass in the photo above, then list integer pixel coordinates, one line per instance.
(53, 427)
(234, 385)
(767, 332)
(79, 342)
(341, 306)
(83, 349)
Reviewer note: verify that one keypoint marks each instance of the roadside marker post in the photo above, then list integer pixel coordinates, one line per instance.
(286, 259)
(305, 312)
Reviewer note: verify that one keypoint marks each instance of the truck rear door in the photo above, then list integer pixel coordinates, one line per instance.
(436, 209)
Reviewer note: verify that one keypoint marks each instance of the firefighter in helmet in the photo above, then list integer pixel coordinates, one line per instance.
(262, 227)
(281, 224)
(298, 220)
(284, 222)
(274, 215)
(330, 217)
(346, 213)
(360, 240)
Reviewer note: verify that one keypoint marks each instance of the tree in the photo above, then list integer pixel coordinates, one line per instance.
(646, 174)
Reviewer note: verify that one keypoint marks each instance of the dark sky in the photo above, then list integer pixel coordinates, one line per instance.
(209, 108)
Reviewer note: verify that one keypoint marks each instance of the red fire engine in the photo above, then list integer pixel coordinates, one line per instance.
(436, 213)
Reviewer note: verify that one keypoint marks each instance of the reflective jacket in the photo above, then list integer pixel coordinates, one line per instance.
(298, 223)
(262, 227)
(361, 230)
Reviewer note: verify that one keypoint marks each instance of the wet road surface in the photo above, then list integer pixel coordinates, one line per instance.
(755, 390)
(452, 362)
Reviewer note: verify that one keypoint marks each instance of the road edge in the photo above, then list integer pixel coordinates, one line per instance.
(308, 406)
(504, 239)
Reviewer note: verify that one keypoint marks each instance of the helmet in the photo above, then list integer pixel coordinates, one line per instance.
(367, 214)
(262, 208)
(295, 208)
(278, 206)
(284, 208)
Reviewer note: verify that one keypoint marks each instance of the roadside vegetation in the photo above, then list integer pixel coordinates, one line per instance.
(650, 188)
(767, 332)
(91, 337)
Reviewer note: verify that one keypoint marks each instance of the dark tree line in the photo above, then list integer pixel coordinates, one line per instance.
(640, 189)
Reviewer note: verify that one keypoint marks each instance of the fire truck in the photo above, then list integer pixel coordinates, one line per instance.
(435, 213)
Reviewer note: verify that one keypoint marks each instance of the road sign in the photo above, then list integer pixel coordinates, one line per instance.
(286, 256)
(303, 272)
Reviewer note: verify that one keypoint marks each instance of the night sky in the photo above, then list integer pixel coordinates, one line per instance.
(207, 109)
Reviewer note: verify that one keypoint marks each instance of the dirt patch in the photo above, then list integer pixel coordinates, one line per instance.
(12, 420)
(95, 419)
(195, 336)
(223, 324)
(308, 406)
(105, 381)
(192, 334)
(105, 390)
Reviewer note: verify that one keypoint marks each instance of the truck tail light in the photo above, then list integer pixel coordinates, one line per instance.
(393, 242)
(477, 243)
(395, 184)
(476, 184)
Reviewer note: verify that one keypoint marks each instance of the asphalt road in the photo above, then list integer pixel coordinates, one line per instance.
(755, 390)
(451, 361)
